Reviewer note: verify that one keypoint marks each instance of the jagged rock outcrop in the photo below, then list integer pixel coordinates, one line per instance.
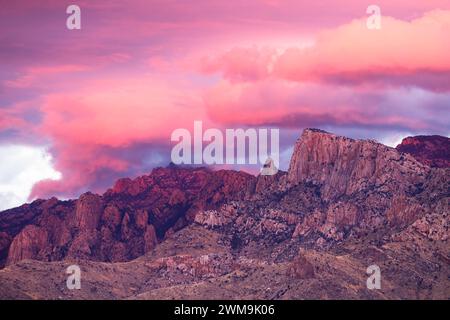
(364, 185)
(124, 223)
(30, 243)
(433, 151)
(88, 211)
(40, 212)
(5, 241)
(344, 166)
(216, 218)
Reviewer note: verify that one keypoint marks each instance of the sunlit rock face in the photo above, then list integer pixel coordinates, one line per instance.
(345, 166)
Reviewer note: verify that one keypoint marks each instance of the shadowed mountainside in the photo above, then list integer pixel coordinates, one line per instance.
(431, 150)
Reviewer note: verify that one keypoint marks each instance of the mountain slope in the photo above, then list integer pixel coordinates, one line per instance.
(124, 223)
(343, 205)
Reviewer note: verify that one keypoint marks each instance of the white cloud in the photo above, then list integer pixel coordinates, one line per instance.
(394, 139)
(20, 168)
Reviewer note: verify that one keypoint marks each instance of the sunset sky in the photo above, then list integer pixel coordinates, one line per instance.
(81, 108)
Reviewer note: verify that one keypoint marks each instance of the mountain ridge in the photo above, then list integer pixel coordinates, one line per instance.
(339, 193)
(432, 150)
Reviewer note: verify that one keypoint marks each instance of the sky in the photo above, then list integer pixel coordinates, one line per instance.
(81, 108)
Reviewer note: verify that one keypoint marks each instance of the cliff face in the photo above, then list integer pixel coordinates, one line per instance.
(345, 166)
(342, 205)
(363, 186)
(433, 151)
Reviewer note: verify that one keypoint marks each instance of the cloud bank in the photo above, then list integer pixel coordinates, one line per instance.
(106, 99)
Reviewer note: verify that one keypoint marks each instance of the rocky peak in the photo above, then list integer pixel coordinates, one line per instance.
(433, 151)
(344, 166)
(88, 211)
(124, 223)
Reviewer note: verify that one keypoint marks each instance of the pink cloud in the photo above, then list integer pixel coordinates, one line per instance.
(352, 53)
(242, 64)
(350, 76)
(90, 126)
(114, 112)
(10, 121)
(289, 104)
(81, 166)
(400, 47)
(36, 74)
